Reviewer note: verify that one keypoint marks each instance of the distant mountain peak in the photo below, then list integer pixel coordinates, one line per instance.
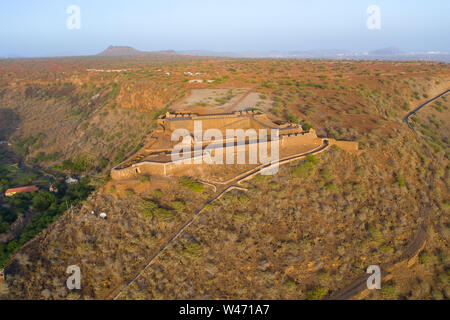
(117, 51)
(126, 51)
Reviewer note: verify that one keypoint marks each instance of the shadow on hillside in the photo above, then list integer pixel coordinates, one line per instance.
(9, 121)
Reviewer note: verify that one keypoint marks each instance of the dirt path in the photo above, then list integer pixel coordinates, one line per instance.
(231, 185)
(234, 105)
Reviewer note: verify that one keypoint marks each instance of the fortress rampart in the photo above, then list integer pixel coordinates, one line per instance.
(179, 168)
(238, 120)
(157, 160)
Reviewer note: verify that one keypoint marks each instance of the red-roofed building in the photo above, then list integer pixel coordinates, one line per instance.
(11, 192)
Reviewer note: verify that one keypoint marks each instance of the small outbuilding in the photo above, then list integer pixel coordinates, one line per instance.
(71, 180)
(13, 191)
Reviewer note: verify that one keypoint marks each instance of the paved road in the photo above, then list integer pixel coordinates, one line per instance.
(417, 244)
(406, 118)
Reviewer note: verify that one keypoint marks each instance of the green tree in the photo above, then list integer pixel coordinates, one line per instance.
(43, 200)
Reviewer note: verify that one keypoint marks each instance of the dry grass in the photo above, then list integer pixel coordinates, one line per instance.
(304, 233)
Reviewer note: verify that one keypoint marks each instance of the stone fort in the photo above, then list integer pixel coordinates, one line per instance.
(155, 158)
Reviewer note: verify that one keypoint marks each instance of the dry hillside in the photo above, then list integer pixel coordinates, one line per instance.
(305, 233)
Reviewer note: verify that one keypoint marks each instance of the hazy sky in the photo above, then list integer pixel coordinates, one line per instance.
(39, 28)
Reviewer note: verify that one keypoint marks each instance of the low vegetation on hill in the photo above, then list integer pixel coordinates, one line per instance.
(305, 233)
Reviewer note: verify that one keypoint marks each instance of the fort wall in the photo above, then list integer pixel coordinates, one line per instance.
(291, 138)
(179, 168)
(349, 146)
(224, 123)
(237, 120)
